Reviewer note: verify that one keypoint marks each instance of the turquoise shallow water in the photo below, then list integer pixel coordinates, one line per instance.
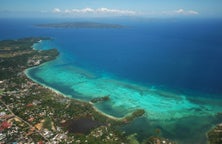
(183, 118)
(125, 97)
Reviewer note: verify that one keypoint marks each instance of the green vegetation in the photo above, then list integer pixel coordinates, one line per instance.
(17, 55)
(132, 139)
(135, 114)
(1, 91)
(100, 99)
(215, 135)
(47, 123)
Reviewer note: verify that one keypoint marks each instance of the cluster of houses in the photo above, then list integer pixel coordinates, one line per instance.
(15, 129)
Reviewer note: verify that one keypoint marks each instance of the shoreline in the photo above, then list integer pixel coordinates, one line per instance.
(26, 71)
(139, 86)
(161, 93)
(70, 97)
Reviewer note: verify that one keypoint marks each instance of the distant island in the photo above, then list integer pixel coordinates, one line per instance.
(80, 25)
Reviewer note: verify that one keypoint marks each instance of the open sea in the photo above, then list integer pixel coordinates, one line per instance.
(171, 68)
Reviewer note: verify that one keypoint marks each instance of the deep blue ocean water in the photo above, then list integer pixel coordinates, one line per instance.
(178, 55)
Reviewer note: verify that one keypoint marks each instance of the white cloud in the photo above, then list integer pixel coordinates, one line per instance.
(116, 11)
(193, 12)
(56, 10)
(103, 11)
(186, 12)
(99, 11)
(180, 12)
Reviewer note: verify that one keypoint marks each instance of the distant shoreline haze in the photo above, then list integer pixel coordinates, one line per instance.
(80, 25)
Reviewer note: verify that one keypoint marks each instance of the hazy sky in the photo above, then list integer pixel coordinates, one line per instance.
(150, 8)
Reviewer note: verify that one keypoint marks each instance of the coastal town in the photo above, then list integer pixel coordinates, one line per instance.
(31, 113)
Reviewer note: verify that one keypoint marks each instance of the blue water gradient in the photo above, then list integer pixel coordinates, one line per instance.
(171, 68)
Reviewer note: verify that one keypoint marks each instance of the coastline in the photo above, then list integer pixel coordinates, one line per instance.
(43, 85)
(26, 72)
(118, 119)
